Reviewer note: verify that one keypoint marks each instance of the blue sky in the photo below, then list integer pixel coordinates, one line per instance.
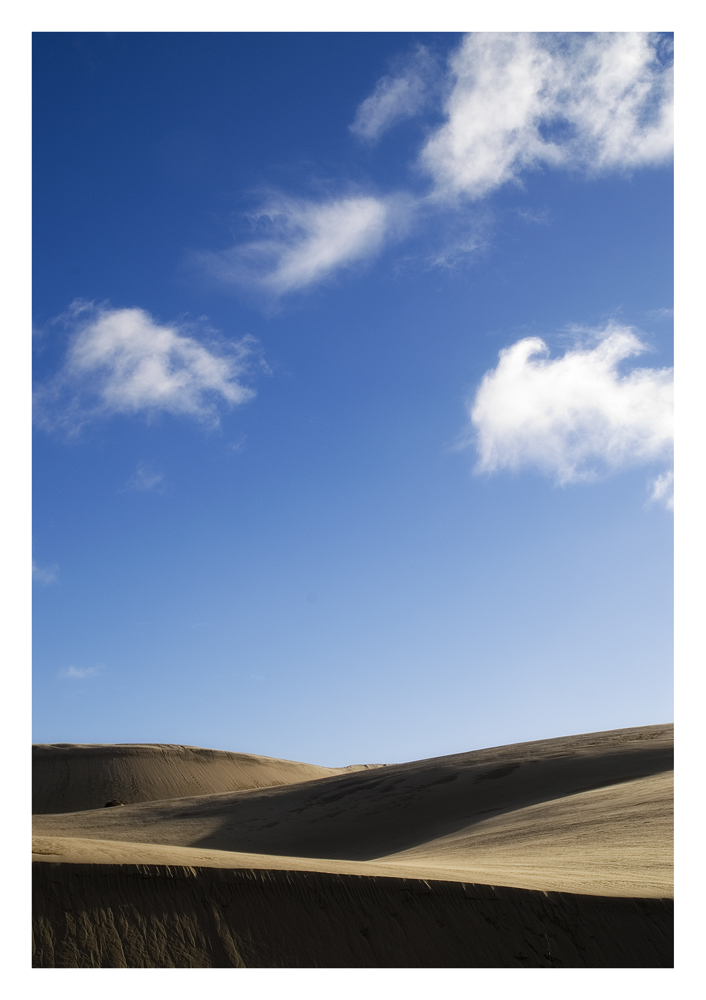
(290, 498)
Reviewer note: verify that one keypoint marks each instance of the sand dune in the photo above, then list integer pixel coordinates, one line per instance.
(71, 776)
(587, 815)
(615, 841)
(524, 815)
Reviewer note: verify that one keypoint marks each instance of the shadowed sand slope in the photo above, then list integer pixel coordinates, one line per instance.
(119, 916)
(69, 777)
(589, 814)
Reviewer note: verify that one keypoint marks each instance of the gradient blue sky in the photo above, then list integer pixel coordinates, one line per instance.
(263, 518)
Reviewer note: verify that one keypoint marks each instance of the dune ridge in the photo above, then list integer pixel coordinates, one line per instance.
(67, 777)
(587, 814)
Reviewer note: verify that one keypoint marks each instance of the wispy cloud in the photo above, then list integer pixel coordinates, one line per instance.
(663, 490)
(591, 101)
(79, 673)
(576, 416)
(44, 574)
(660, 314)
(122, 361)
(395, 97)
(453, 239)
(540, 218)
(145, 479)
(302, 242)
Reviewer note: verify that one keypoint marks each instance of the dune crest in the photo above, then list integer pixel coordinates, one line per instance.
(67, 777)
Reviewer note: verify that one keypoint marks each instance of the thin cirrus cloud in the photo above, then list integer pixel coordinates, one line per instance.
(302, 242)
(79, 673)
(598, 102)
(574, 417)
(395, 98)
(145, 479)
(121, 361)
(44, 574)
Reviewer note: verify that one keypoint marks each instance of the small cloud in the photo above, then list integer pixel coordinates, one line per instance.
(122, 361)
(302, 243)
(144, 479)
(79, 673)
(44, 574)
(238, 445)
(576, 416)
(660, 314)
(395, 97)
(538, 218)
(459, 250)
(663, 490)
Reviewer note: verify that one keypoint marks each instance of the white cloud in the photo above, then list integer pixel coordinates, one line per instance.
(303, 242)
(575, 416)
(515, 101)
(394, 98)
(591, 101)
(145, 479)
(79, 673)
(44, 574)
(123, 361)
(663, 490)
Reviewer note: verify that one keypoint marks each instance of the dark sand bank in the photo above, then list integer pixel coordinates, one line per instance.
(156, 916)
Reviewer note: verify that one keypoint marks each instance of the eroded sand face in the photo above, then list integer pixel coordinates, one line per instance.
(152, 916)
(589, 815)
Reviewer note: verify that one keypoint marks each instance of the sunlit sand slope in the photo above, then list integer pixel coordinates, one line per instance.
(612, 842)
(68, 777)
(156, 916)
(616, 840)
(588, 814)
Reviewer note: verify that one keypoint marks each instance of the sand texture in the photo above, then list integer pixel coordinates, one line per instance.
(71, 776)
(586, 819)
(120, 916)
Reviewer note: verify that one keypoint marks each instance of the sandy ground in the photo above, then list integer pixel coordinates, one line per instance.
(588, 815)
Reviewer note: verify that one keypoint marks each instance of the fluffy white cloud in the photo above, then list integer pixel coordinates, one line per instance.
(575, 416)
(302, 243)
(122, 361)
(394, 98)
(590, 101)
